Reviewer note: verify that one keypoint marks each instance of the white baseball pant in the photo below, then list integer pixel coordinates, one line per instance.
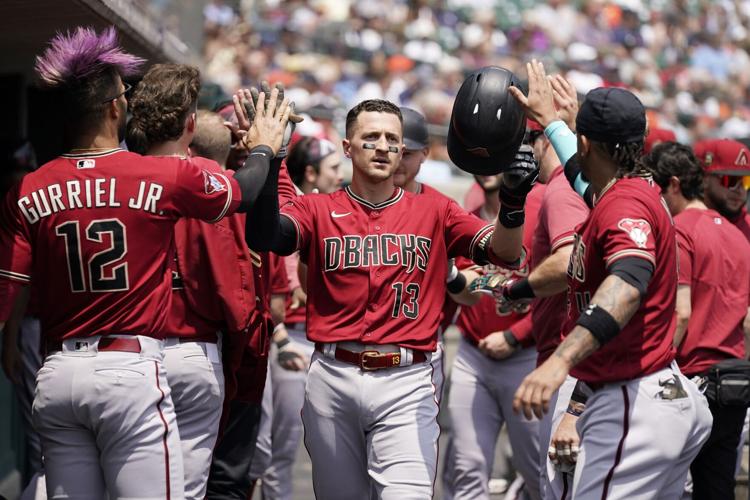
(107, 423)
(196, 377)
(481, 402)
(637, 442)
(288, 395)
(371, 433)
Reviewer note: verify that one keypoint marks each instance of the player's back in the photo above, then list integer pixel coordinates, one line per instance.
(99, 228)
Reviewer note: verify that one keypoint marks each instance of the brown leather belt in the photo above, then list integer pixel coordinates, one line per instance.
(372, 360)
(121, 344)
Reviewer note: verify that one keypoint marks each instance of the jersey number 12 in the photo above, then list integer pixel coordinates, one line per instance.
(113, 279)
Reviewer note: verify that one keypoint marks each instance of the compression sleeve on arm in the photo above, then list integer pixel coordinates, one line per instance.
(265, 229)
(634, 271)
(564, 142)
(252, 176)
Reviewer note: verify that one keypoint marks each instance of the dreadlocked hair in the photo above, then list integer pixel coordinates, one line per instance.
(628, 157)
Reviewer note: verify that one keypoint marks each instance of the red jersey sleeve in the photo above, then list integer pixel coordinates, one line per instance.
(299, 212)
(568, 212)
(625, 230)
(15, 253)
(15, 246)
(287, 190)
(522, 331)
(464, 231)
(292, 265)
(279, 277)
(204, 194)
(685, 252)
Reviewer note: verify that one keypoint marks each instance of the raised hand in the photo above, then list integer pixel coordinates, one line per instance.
(270, 122)
(540, 104)
(522, 173)
(566, 100)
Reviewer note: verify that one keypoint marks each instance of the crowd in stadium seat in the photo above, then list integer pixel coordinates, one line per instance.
(687, 60)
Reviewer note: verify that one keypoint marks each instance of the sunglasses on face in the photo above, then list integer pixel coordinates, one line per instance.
(128, 88)
(732, 181)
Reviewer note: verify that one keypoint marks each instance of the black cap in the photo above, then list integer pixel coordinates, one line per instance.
(612, 115)
(415, 129)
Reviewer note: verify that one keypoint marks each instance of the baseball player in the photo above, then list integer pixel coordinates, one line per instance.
(495, 353)
(622, 288)
(314, 166)
(375, 281)
(103, 406)
(560, 211)
(416, 151)
(211, 276)
(727, 165)
(276, 285)
(246, 356)
(712, 302)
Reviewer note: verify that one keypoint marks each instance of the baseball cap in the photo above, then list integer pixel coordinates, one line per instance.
(723, 156)
(415, 129)
(612, 115)
(655, 136)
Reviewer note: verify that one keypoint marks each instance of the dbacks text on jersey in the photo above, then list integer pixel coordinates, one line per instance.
(353, 250)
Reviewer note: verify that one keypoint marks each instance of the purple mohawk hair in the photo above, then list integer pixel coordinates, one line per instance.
(82, 54)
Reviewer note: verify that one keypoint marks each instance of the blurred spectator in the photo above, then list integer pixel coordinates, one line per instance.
(687, 60)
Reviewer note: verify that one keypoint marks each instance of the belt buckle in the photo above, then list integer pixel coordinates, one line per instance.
(367, 355)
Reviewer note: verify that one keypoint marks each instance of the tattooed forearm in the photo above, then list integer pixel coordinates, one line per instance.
(577, 346)
(615, 296)
(618, 298)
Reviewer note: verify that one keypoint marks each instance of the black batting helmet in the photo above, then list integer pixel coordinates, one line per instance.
(487, 123)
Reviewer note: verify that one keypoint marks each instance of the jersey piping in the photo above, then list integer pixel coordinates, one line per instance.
(398, 194)
(92, 155)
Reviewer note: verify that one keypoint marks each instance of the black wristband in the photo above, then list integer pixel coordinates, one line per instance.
(511, 339)
(457, 284)
(520, 289)
(600, 323)
(511, 217)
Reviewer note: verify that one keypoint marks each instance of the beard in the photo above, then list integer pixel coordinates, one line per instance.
(721, 205)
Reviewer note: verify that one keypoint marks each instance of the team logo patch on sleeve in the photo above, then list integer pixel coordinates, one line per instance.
(212, 184)
(637, 229)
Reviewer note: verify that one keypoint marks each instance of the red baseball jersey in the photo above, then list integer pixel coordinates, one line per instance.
(450, 308)
(212, 276)
(485, 317)
(743, 223)
(98, 230)
(298, 314)
(714, 261)
(562, 209)
(629, 219)
(376, 272)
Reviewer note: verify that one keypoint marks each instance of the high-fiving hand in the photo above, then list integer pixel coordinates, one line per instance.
(269, 122)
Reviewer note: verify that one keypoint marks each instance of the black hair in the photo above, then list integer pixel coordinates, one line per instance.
(371, 105)
(671, 159)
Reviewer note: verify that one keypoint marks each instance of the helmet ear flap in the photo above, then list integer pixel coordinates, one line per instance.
(487, 123)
